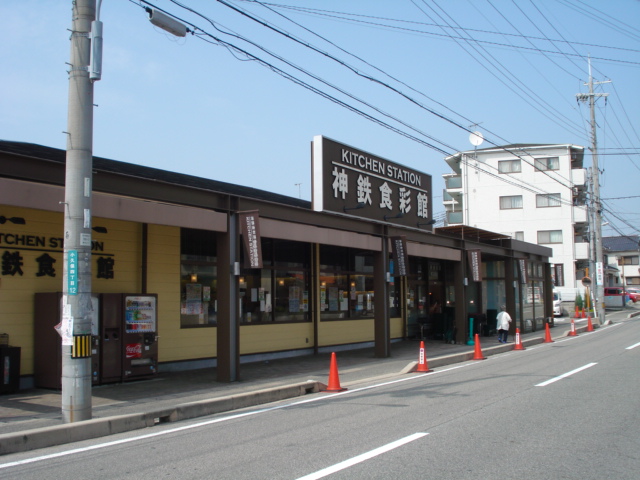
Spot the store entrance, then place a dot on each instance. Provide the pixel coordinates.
(430, 313)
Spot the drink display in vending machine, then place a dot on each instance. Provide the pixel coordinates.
(140, 336)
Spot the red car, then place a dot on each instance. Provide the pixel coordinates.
(634, 294)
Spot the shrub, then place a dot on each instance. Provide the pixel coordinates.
(578, 301)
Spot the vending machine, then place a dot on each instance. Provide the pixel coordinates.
(130, 336)
(140, 336)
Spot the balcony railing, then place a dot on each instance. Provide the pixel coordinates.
(582, 251)
(454, 218)
(580, 215)
(453, 182)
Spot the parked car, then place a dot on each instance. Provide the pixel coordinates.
(616, 297)
(634, 294)
(557, 304)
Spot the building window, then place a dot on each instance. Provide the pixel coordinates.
(519, 236)
(507, 203)
(346, 283)
(509, 166)
(550, 163)
(279, 292)
(198, 278)
(549, 236)
(630, 260)
(548, 200)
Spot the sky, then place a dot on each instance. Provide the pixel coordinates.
(240, 99)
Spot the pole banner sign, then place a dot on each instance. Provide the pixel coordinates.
(399, 252)
(250, 229)
(72, 272)
(475, 260)
(522, 270)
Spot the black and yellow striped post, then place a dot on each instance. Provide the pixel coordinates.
(81, 346)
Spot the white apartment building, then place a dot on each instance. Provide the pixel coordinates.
(533, 193)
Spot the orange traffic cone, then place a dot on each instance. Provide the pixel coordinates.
(547, 334)
(572, 332)
(477, 354)
(518, 345)
(583, 313)
(334, 380)
(577, 315)
(589, 324)
(422, 360)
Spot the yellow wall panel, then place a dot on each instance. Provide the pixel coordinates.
(345, 331)
(275, 337)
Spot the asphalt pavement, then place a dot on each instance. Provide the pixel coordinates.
(32, 419)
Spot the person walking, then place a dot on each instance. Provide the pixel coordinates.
(504, 319)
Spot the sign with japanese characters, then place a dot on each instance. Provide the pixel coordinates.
(351, 181)
(475, 261)
(522, 270)
(400, 256)
(250, 227)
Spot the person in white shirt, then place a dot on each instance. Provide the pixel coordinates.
(504, 319)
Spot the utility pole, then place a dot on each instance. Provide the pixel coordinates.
(595, 199)
(76, 288)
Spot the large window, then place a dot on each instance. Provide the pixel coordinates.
(549, 236)
(548, 200)
(509, 166)
(346, 283)
(511, 202)
(198, 278)
(550, 163)
(279, 292)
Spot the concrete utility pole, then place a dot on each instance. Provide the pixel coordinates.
(76, 288)
(595, 200)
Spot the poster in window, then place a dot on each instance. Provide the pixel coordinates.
(194, 292)
(333, 299)
(344, 301)
(294, 299)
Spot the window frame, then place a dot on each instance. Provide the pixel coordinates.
(511, 163)
(550, 233)
(503, 201)
(542, 164)
(548, 198)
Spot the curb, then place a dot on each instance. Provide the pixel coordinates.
(100, 427)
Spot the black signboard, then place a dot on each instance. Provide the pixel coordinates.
(400, 256)
(475, 260)
(522, 268)
(250, 225)
(352, 181)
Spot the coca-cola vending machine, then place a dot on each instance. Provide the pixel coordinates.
(140, 336)
(130, 327)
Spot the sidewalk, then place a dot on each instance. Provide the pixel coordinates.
(32, 419)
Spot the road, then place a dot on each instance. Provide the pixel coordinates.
(565, 410)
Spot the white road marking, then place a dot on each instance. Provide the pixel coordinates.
(215, 420)
(564, 375)
(361, 458)
(633, 346)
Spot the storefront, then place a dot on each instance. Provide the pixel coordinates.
(330, 275)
